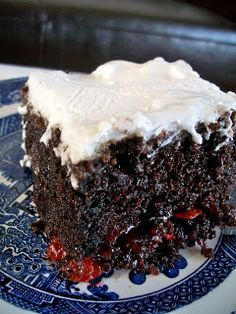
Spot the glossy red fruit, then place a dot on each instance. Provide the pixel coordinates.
(189, 214)
(169, 236)
(153, 231)
(85, 271)
(113, 235)
(134, 246)
(56, 250)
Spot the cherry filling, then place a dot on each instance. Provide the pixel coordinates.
(137, 240)
(55, 251)
(169, 236)
(77, 271)
(85, 271)
(189, 214)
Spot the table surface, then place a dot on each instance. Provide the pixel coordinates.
(222, 300)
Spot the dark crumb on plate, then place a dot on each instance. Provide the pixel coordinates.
(38, 226)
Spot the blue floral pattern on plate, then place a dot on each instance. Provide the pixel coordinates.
(29, 281)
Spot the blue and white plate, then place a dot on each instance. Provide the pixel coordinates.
(29, 281)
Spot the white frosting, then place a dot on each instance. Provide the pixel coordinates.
(26, 161)
(121, 98)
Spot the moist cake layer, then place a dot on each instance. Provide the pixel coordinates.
(136, 204)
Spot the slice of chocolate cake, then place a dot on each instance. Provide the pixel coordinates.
(130, 164)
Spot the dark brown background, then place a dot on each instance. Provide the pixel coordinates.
(81, 34)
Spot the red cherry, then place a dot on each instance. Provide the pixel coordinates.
(96, 270)
(85, 271)
(153, 231)
(169, 236)
(189, 214)
(87, 265)
(113, 235)
(73, 265)
(56, 250)
(134, 246)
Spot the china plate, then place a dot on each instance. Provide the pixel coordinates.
(29, 281)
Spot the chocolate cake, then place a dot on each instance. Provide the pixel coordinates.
(130, 164)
